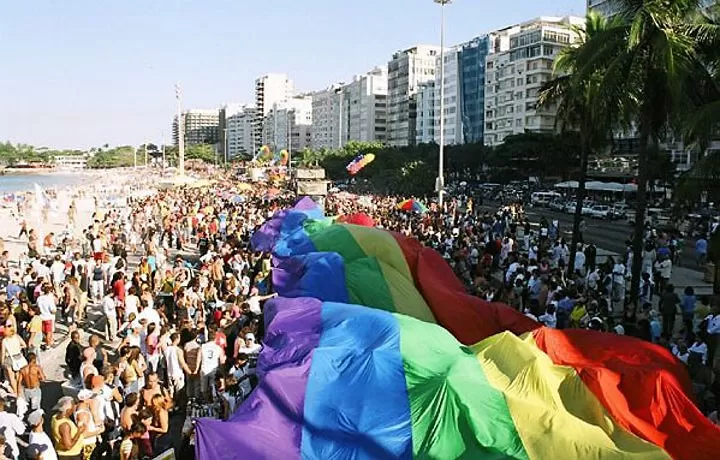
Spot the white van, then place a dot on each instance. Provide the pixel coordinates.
(543, 199)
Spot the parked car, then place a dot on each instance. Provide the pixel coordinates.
(587, 208)
(620, 210)
(601, 211)
(557, 205)
(570, 207)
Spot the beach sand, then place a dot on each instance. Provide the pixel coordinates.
(106, 187)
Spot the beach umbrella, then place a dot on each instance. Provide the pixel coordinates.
(244, 186)
(412, 205)
(238, 199)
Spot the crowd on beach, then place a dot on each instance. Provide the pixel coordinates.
(162, 299)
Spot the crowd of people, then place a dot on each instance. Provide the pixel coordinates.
(163, 301)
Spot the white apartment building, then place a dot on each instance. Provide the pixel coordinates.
(201, 126)
(288, 125)
(453, 112)
(425, 121)
(71, 161)
(270, 89)
(520, 61)
(240, 134)
(364, 103)
(327, 117)
(406, 71)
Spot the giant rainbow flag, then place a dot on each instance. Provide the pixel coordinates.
(375, 351)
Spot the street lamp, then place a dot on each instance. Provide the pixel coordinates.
(225, 147)
(440, 182)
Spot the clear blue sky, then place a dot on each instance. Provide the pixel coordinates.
(80, 73)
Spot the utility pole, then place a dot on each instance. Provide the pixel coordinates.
(181, 131)
(225, 147)
(440, 182)
(275, 129)
(340, 94)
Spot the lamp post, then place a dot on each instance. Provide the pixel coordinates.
(440, 182)
(225, 147)
(181, 131)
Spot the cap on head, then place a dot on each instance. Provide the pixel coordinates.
(63, 404)
(35, 418)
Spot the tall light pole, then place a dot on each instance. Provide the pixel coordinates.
(225, 146)
(440, 182)
(181, 131)
(341, 97)
(275, 126)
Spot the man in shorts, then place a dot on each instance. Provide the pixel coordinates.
(46, 304)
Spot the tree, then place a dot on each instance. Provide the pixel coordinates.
(117, 157)
(539, 154)
(204, 152)
(648, 59)
(580, 109)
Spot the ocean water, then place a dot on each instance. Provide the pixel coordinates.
(26, 182)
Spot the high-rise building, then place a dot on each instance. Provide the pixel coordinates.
(472, 88)
(452, 106)
(240, 135)
(288, 125)
(327, 117)
(364, 102)
(520, 61)
(425, 121)
(201, 127)
(406, 70)
(226, 111)
(270, 89)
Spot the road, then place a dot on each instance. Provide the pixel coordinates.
(608, 235)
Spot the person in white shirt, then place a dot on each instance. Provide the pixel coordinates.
(618, 282)
(47, 305)
(109, 306)
(132, 303)
(150, 314)
(38, 437)
(713, 331)
(664, 266)
(57, 271)
(699, 347)
(254, 302)
(548, 318)
(11, 425)
(176, 368)
(580, 260)
(593, 278)
(211, 357)
(251, 347)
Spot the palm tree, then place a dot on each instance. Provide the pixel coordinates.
(580, 108)
(649, 61)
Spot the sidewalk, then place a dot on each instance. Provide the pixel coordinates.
(681, 277)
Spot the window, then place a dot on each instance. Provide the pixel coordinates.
(519, 81)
